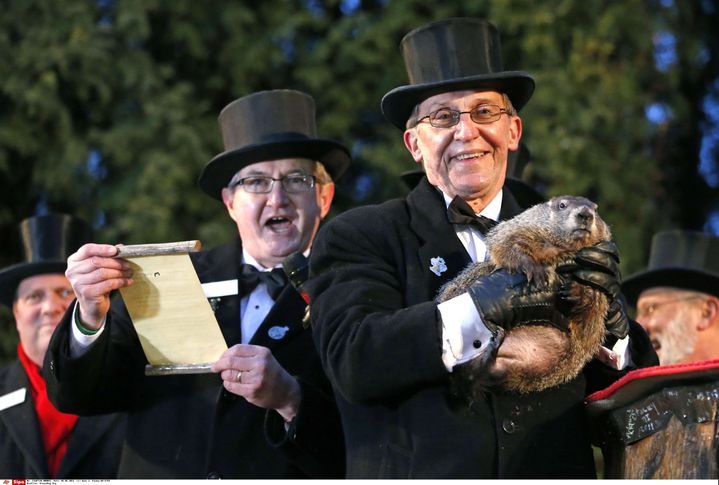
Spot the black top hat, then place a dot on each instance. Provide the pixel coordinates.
(679, 259)
(46, 241)
(269, 125)
(452, 55)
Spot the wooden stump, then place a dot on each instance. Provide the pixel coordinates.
(664, 427)
(679, 451)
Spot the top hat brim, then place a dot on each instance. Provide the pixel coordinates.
(687, 279)
(11, 276)
(397, 105)
(220, 170)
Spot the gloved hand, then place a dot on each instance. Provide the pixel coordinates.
(617, 321)
(506, 300)
(598, 266)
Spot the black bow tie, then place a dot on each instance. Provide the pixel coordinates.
(459, 212)
(250, 277)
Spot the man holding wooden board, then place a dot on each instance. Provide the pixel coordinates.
(271, 415)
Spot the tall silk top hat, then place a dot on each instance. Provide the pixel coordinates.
(452, 55)
(270, 125)
(47, 241)
(679, 259)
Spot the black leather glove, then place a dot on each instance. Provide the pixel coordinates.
(506, 300)
(617, 320)
(598, 266)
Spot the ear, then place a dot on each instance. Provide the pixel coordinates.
(15, 315)
(709, 313)
(412, 144)
(515, 133)
(325, 195)
(228, 198)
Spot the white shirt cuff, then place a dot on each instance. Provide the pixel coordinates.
(618, 357)
(464, 335)
(79, 342)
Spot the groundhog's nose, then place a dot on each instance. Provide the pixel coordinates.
(585, 215)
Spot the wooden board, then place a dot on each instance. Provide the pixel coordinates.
(170, 312)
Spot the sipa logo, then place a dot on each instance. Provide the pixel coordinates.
(18, 482)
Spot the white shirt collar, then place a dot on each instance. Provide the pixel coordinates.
(491, 211)
(248, 259)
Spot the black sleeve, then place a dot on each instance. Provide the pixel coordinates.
(313, 440)
(102, 379)
(373, 346)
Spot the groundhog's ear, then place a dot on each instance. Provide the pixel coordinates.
(410, 141)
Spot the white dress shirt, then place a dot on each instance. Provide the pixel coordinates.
(254, 306)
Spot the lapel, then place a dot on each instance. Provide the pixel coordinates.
(220, 264)
(21, 422)
(228, 316)
(510, 206)
(85, 436)
(283, 322)
(284, 319)
(437, 237)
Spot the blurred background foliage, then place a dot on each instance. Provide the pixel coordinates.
(108, 108)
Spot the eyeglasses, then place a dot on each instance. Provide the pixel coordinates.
(292, 184)
(482, 114)
(648, 310)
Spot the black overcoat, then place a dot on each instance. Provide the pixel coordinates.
(188, 426)
(377, 329)
(93, 450)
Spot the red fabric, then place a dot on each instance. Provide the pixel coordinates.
(55, 426)
(655, 371)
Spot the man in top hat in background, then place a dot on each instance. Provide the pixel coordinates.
(275, 180)
(37, 440)
(677, 296)
(389, 348)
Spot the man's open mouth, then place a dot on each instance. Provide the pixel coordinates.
(278, 222)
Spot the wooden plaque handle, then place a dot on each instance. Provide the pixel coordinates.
(179, 247)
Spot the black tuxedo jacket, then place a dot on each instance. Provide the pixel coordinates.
(93, 450)
(378, 332)
(188, 426)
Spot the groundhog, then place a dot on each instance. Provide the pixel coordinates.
(532, 358)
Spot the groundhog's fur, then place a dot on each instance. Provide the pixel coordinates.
(533, 357)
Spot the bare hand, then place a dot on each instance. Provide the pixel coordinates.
(93, 274)
(262, 380)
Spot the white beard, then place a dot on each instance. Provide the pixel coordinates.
(677, 340)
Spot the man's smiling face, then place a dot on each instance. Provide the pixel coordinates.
(467, 159)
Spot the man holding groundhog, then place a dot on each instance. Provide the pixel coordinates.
(389, 348)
